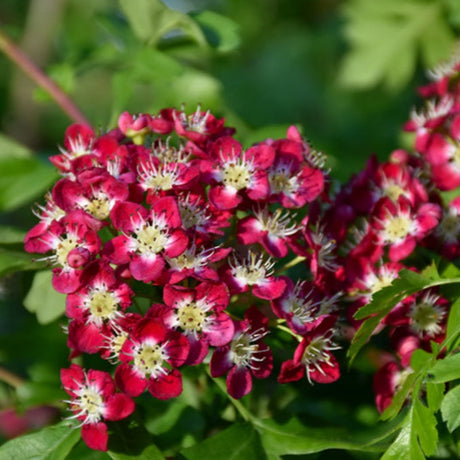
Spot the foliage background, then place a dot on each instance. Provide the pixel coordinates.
(346, 71)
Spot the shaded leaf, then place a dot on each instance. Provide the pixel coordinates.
(43, 300)
(51, 443)
(132, 442)
(11, 235)
(151, 20)
(13, 261)
(221, 32)
(238, 442)
(293, 438)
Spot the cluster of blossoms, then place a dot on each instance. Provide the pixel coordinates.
(171, 209)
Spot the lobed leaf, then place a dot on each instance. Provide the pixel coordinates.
(385, 38)
(450, 408)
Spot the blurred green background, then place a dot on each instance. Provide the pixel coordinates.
(345, 71)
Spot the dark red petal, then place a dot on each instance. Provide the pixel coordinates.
(118, 406)
(224, 198)
(127, 216)
(239, 382)
(66, 281)
(177, 243)
(177, 348)
(95, 435)
(331, 371)
(168, 208)
(220, 331)
(291, 372)
(71, 378)
(271, 288)
(215, 294)
(129, 381)
(147, 268)
(166, 386)
(220, 362)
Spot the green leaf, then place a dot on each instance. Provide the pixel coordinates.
(418, 432)
(23, 176)
(13, 261)
(425, 427)
(220, 31)
(453, 325)
(385, 299)
(51, 443)
(446, 369)
(293, 438)
(434, 395)
(11, 235)
(43, 300)
(400, 397)
(132, 442)
(450, 408)
(385, 38)
(150, 20)
(238, 442)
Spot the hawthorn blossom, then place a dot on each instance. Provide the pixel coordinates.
(313, 356)
(199, 314)
(149, 358)
(245, 356)
(148, 236)
(93, 400)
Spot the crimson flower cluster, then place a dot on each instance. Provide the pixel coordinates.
(174, 243)
(167, 236)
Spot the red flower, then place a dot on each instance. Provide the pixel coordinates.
(93, 400)
(147, 237)
(149, 359)
(245, 356)
(313, 356)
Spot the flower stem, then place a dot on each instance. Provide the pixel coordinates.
(10, 378)
(291, 263)
(16, 55)
(238, 406)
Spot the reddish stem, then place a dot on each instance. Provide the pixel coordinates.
(41, 79)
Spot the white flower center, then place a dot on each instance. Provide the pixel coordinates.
(149, 359)
(237, 174)
(397, 228)
(90, 404)
(65, 245)
(152, 238)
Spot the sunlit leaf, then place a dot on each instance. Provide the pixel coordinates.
(43, 300)
(417, 437)
(385, 39)
(450, 408)
(23, 176)
(51, 443)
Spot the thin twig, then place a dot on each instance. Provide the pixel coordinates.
(40, 78)
(10, 378)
